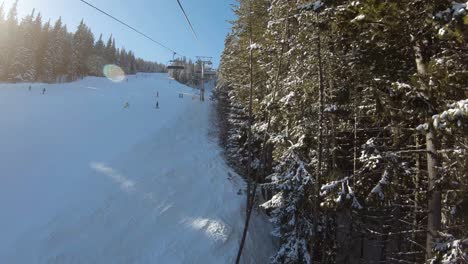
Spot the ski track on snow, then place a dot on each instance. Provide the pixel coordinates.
(87, 181)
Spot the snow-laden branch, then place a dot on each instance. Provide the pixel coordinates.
(456, 116)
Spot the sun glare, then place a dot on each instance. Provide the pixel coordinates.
(113, 73)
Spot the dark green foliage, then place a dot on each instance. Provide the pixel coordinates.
(388, 67)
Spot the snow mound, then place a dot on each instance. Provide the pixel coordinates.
(215, 230)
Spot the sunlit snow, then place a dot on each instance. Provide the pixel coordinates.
(87, 180)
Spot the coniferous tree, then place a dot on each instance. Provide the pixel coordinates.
(352, 179)
(10, 39)
(33, 51)
(23, 66)
(3, 43)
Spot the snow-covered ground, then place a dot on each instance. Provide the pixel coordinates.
(85, 180)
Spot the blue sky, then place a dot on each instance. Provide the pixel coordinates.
(160, 19)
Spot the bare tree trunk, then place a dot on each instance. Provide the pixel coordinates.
(434, 194)
(416, 180)
(250, 191)
(316, 252)
(355, 127)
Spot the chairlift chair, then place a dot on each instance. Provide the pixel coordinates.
(210, 73)
(172, 65)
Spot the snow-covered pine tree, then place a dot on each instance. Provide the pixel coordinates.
(82, 47)
(3, 43)
(111, 52)
(33, 51)
(96, 60)
(54, 53)
(42, 43)
(11, 38)
(23, 66)
(387, 68)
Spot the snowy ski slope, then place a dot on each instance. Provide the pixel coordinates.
(85, 180)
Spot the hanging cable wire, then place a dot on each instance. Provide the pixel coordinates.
(132, 28)
(188, 20)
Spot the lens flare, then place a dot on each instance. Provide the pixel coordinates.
(113, 73)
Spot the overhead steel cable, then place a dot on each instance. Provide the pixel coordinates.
(132, 28)
(188, 20)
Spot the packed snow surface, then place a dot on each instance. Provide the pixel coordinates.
(85, 179)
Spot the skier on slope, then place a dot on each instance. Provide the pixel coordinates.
(157, 104)
(43, 90)
(29, 88)
(126, 105)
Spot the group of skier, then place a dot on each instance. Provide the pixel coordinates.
(43, 89)
(127, 104)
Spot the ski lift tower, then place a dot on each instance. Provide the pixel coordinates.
(203, 60)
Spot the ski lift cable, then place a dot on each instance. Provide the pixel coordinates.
(132, 28)
(188, 20)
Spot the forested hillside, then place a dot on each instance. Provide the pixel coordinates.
(351, 117)
(31, 50)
